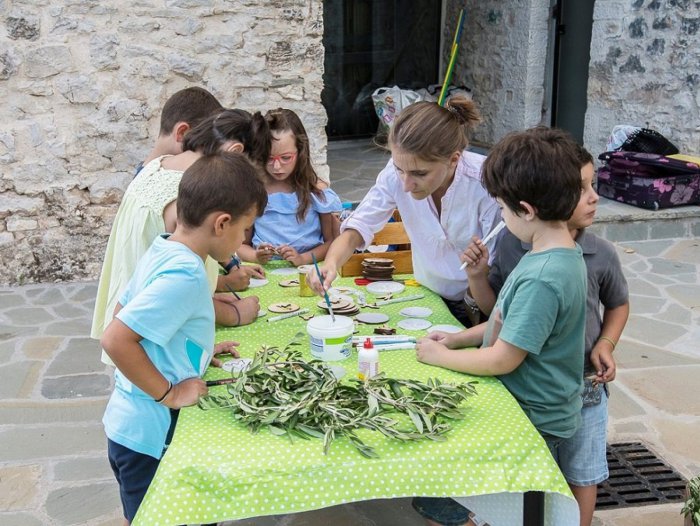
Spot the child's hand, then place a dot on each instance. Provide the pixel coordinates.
(290, 254)
(248, 308)
(186, 393)
(603, 361)
(264, 252)
(442, 337)
(477, 257)
(224, 348)
(237, 279)
(254, 271)
(430, 351)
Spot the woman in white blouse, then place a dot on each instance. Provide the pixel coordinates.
(436, 186)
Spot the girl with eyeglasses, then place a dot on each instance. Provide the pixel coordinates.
(298, 220)
(148, 209)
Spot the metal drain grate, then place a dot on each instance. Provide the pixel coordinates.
(638, 478)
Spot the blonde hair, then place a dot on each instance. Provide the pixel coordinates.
(433, 132)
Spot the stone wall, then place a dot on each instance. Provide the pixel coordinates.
(644, 70)
(502, 58)
(82, 84)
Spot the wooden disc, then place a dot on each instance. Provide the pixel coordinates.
(283, 307)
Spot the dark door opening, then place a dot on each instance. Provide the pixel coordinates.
(572, 56)
(371, 44)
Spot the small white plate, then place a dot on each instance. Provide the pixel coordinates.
(447, 328)
(377, 248)
(236, 365)
(284, 271)
(414, 324)
(255, 282)
(372, 317)
(385, 287)
(261, 313)
(416, 312)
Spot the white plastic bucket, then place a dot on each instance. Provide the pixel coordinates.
(330, 341)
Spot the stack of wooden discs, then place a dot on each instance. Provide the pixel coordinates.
(344, 306)
(377, 269)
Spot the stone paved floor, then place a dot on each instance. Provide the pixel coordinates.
(53, 387)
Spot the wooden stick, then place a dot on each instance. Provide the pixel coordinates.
(220, 381)
(453, 59)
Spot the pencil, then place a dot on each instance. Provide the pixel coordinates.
(220, 381)
(233, 292)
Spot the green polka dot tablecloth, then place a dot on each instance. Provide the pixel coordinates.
(216, 470)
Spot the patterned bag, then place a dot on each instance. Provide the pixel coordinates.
(649, 180)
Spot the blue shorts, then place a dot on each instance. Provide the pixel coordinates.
(135, 471)
(582, 458)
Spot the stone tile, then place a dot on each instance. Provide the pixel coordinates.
(8, 330)
(687, 251)
(83, 469)
(674, 390)
(41, 347)
(645, 304)
(676, 314)
(621, 406)
(631, 355)
(14, 377)
(70, 311)
(83, 291)
(389, 511)
(668, 267)
(9, 299)
(69, 327)
(76, 505)
(7, 349)
(639, 266)
(687, 295)
(668, 229)
(649, 248)
(29, 443)
(29, 316)
(688, 344)
(663, 515)
(50, 296)
(680, 441)
(78, 386)
(627, 231)
(19, 486)
(20, 519)
(28, 412)
(654, 332)
(80, 355)
(631, 428)
(642, 287)
(32, 291)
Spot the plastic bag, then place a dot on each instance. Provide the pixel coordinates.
(388, 103)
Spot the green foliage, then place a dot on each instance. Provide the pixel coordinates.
(691, 508)
(299, 399)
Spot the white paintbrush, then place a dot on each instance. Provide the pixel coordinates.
(488, 238)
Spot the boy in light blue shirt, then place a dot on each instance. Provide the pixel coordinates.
(162, 337)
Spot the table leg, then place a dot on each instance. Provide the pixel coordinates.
(533, 508)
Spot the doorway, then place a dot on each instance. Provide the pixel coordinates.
(573, 21)
(370, 44)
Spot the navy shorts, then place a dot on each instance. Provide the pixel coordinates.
(134, 471)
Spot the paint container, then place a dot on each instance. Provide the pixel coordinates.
(330, 341)
(304, 290)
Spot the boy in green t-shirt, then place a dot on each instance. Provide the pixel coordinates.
(533, 341)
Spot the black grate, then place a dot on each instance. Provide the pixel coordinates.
(638, 478)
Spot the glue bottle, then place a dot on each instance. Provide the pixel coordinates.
(368, 360)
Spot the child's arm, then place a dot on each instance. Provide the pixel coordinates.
(477, 257)
(614, 321)
(467, 338)
(122, 345)
(502, 358)
(290, 253)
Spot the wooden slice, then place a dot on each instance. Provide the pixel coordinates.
(283, 307)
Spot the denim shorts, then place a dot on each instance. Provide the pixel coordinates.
(443, 510)
(582, 458)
